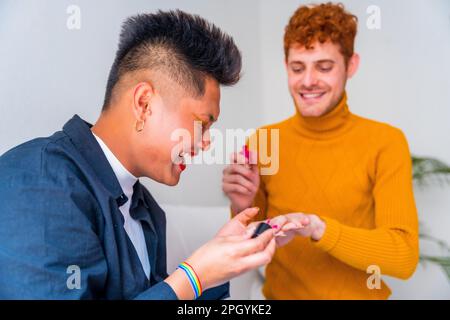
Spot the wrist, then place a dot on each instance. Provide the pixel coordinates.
(180, 285)
(185, 282)
(193, 278)
(318, 233)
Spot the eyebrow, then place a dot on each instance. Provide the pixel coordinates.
(296, 62)
(325, 61)
(318, 61)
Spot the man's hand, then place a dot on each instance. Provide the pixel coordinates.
(301, 224)
(284, 228)
(239, 225)
(241, 180)
(230, 253)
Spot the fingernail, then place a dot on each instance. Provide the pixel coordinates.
(246, 152)
(268, 221)
(256, 208)
(275, 226)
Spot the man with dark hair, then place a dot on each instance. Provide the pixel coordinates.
(175, 43)
(75, 222)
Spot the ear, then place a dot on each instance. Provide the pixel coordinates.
(353, 64)
(143, 94)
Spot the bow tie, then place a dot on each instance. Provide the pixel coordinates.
(140, 205)
(138, 198)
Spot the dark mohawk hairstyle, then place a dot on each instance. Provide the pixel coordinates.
(185, 47)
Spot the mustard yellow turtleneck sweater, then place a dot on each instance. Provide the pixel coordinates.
(356, 175)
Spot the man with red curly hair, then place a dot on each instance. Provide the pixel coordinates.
(343, 191)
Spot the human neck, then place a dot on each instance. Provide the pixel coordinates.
(111, 129)
(329, 125)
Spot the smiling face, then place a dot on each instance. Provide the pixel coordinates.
(317, 77)
(160, 150)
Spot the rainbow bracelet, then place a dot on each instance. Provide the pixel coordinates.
(193, 278)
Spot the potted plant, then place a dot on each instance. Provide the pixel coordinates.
(425, 171)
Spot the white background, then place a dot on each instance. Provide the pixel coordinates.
(48, 73)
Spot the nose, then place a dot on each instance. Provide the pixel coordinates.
(310, 78)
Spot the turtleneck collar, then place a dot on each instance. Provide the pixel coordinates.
(330, 125)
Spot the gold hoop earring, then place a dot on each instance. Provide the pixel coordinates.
(139, 126)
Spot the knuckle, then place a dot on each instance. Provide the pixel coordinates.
(260, 246)
(232, 252)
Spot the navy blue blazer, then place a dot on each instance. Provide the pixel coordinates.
(61, 230)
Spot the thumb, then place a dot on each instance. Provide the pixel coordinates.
(246, 215)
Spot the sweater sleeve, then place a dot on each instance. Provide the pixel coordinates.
(393, 244)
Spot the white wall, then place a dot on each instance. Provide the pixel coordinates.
(48, 73)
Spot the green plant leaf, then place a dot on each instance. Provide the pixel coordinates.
(426, 170)
(443, 262)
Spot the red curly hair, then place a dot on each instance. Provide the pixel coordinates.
(322, 22)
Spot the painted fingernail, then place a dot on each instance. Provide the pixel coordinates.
(275, 226)
(246, 152)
